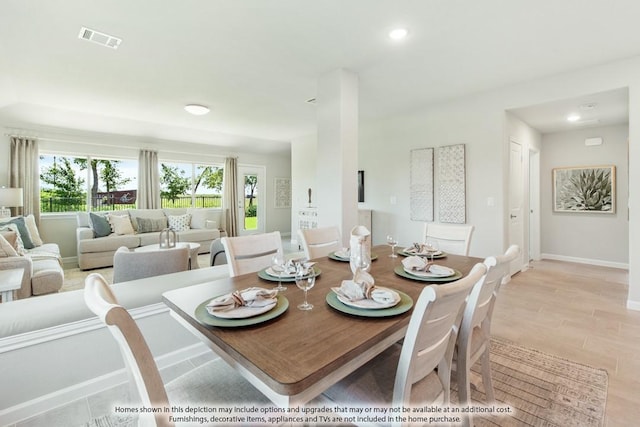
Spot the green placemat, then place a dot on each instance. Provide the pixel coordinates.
(403, 306)
(203, 316)
(291, 279)
(399, 270)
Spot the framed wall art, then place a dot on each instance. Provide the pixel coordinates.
(282, 191)
(585, 189)
(452, 206)
(421, 184)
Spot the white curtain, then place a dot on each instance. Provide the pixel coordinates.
(148, 180)
(25, 173)
(230, 195)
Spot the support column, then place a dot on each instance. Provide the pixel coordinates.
(337, 151)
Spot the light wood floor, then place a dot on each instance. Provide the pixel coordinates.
(578, 312)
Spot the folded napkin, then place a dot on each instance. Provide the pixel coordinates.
(250, 297)
(343, 253)
(416, 263)
(362, 287)
(422, 248)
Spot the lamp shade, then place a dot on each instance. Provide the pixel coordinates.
(10, 197)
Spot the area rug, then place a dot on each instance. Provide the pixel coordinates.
(542, 389)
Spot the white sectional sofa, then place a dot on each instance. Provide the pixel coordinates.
(97, 252)
(53, 350)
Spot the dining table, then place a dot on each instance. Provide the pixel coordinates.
(293, 355)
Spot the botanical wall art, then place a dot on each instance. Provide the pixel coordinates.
(584, 189)
(451, 184)
(421, 184)
(282, 190)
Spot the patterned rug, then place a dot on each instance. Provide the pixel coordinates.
(543, 390)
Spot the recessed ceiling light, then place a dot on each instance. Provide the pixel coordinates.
(197, 110)
(398, 34)
(573, 118)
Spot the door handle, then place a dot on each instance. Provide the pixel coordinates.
(513, 216)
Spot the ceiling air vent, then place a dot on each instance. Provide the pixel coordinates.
(99, 38)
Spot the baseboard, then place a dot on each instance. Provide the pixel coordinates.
(64, 396)
(633, 305)
(598, 262)
(70, 262)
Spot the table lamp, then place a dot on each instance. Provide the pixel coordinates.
(9, 197)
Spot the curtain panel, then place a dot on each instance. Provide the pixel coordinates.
(24, 172)
(230, 195)
(148, 180)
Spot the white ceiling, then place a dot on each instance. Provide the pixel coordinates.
(256, 62)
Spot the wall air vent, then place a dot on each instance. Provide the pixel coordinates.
(99, 38)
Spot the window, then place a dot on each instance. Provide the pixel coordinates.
(188, 184)
(72, 184)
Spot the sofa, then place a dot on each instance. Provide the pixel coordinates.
(23, 248)
(97, 242)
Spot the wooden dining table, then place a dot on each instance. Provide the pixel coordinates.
(297, 355)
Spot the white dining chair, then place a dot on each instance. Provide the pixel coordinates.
(248, 254)
(406, 375)
(143, 370)
(450, 238)
(319, 242)
(474, 338)
(131, 265)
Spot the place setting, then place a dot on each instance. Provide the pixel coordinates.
(344, 255)
(421, 269)
(282, 270)
(244, 307)
(361, 297)
(428, 250)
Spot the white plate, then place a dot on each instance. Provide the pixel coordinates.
(370, 304)
(242, 312)
(273, 273)
(342, 254)
(412, 251)
(449, 272)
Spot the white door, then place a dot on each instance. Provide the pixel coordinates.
(251, 200)
(516, 227)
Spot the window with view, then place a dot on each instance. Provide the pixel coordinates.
(187, 184)
(72, 184)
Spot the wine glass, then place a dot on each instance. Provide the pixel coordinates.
(391, 241)
(277, 265)
(305, 279)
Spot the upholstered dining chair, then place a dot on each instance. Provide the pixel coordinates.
(405, 374)
(451, 238)
(248, 254)
(228, 386)
(319, 242)
(130, 265)
(474, 338)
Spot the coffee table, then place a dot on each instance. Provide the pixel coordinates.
(10, 280)
(193, 251)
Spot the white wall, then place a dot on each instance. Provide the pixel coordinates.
(588, 237)
(303, 173)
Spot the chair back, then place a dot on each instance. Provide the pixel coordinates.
(248, 254)
(451, 238)
(319, 242)
(131, 265)
(138, 359)
(431, 334)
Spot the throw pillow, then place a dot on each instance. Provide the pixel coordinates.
(30, 221)
(121, 224)
(100, 225)
(179, 222)
(148, 225)
(6, 250)
(18, 246)
(23, 230)
(201, 217)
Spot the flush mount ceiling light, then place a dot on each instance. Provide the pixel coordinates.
(573, 118)
(196, 110)
(398, 34)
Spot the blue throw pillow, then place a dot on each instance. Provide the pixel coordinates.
(23, 230)
(100, 225)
